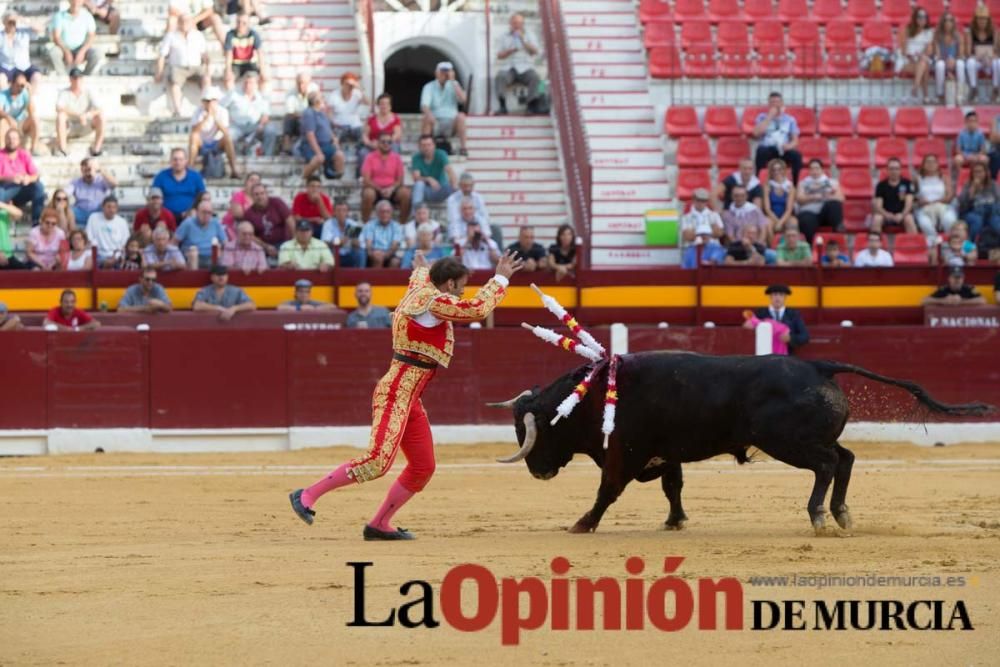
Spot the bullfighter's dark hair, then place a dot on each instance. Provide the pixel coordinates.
(447, 268)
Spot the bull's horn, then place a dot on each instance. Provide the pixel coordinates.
(511, 402)
(529, 440)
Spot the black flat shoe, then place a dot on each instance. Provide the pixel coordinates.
(376, 534)
(301, 510)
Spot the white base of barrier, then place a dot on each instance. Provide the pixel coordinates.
(83, 441)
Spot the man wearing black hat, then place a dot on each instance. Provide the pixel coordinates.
(956, 292)
(221, 297)
(797, 335)
(303, 299)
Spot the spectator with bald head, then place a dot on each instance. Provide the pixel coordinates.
(243, 253)
(161, 254)
(534, 254)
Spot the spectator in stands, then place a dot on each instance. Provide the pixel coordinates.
(345, 109)
(145, 296)
(313, 205)
(893, 205)
(90, 188)
(479, 252)
(439, 102)
(244, 53)
(239, 200)
(979, 202)
(874, 255)
(17, 109)
(272, 222)
(914, 50)
(778, 135)
(210, 132)
(382, 237)
(77, 115)
(741, 213)
(384, 120)
(9, 321)
(131, 258)
(105, 12)
(748, 250)
(934, 194)
(19, 179)
(153, 216)
(534, 254)
(244, 253)
(161, 254)
(197, 235)
(425, 244)
(67, 218)
(821, 202)
(71, 33)
(303, 299)
(971, 145)
(466, 190)
(249, 7)
(433, 177)
(221, 297)
(778, 196)
(79, 257)
(319, 146)
(994, 154)
(9, 215)
(562, 253)
(185, 54)
(457, 231)
(797, 334)
(249, 118)
(792, 250)
(958, 250)
(956, 292)
(367, 316)
(744, 177)
(67, 317)
(518, 48)
(45, 242)
(700, 218)
(15, 52)
(980, 49)
(108, 231)
(202, 12)
(382, 175)
(296, 102)
(421, 216)
(304, 252)
(832, 256)
(946, 51)
(344, 232)
(179, 184)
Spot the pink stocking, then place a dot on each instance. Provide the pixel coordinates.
(397, 497)
(334, 480)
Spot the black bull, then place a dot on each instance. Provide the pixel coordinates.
(677, 407)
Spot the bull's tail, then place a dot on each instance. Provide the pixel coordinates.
(831, 368)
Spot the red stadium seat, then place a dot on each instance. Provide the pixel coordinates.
(824, 11)
(807, 61)
(699, 62)
(659, 33)
(947, 122)
(730, 150)
(758, 10)
(910, 250)
(724, 10)
(853, 152)
(749, 119)
(986, 115)
(681, 121)
(736, 62)
(890, 147)
(792, 10)
(651, 10)
(803, 33)
(721, 122)
(693, 152)
(896, 12)
(835, 122)
(814, 148)
(842, 62)
(935, 8)
(689, 180)
(688, 10)
(773, 62)
(665, 63)
(769, 33)
(805, 117)
(930, 146)
(841, 34)
(732, 34)
(696, 33)
(877, 34)
(874, 122)
(963, 10)
(911, 122)
(856, 183)
(856, 212)
(963, 178)
(861, 11)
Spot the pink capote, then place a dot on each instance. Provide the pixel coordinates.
(779, 346)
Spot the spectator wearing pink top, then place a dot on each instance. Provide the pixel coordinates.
(243, 253)
(238, 203)
(382, 175)
(19, 180)
(45, 241)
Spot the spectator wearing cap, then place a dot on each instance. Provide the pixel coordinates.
(90, 188)
(249, 117)
(433, 177)
(108, 231)
(272, 221)
(313, 205)
(797, 334)
(344, 231)
(19, 178)
(9, 321)
(319, 146)
(955, 292)
(67, 317)
(153, 216)
(17, 108)
(439, 102)
(303, 299)
(873, 255)
(183, 56)
(244, 253)
(518, 48)
(382, 176)
(15, 52)
(221, 297)
(702, 221)
(296, 102)
(105, 12)
(161, 254)
(367, 316)
(479, 252)
(179, 184)
(210, 130)
(345, 109)
(467, 190)
(146, 296)
(534, 254)
(304, 252)
(382, 238)
(244, 52)
(425, 243)
(78, 114)
(72, 32)
(197, 235)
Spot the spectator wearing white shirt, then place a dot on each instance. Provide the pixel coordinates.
(466, 190)
(873, 255)
(210, 130)
(701, 221)
(249, 117)
(458, 230)
(422, 216)
(518, 49)
(296, 102)
(72, 32)
(15, 52)
(78, 114)
(479, 251)
(201, 11)
(184, 56)
(108, 231)
(345, 109)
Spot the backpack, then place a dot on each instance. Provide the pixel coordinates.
(213, 165)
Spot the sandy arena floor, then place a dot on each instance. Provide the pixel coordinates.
(197, 559)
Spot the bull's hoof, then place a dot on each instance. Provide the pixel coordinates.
(818, 519)
(582, 526)
(843, 517)
(675, 522)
